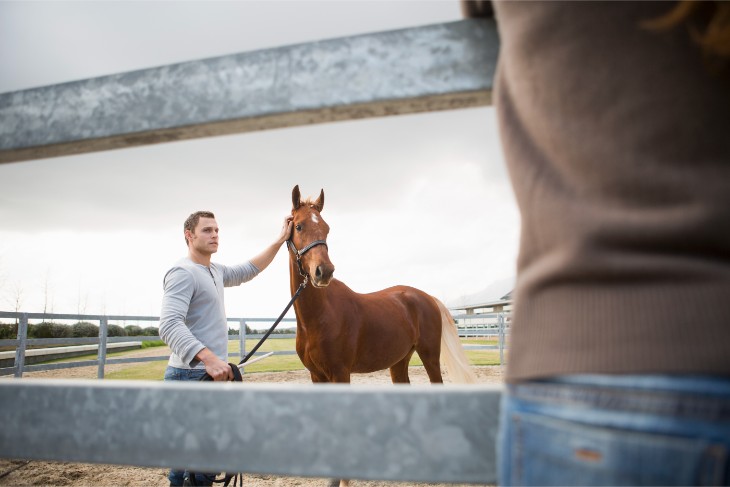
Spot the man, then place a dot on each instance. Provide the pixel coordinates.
(193, 318)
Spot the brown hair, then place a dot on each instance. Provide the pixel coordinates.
(708, 22)
(192, 221)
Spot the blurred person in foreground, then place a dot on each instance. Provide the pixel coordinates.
(193, 318)
(615, 122)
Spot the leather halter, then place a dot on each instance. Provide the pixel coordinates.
(299, 253)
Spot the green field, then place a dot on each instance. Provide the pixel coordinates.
(276, 363)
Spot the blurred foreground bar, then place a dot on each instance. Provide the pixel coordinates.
(420, 69)
(400, 433)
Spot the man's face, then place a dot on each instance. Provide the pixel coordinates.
(204, 238)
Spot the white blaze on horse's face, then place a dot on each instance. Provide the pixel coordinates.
(319, 267)
(309, 226)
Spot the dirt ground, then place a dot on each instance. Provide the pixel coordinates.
(79, 474)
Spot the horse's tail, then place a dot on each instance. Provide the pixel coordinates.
(452, 353)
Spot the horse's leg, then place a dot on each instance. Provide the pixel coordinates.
(432, 364)
(430, 356)
(429, 345)
(321, 378)
(338, 483)
(430, 352)
(340, 377)
(317, 378)
(399, 371)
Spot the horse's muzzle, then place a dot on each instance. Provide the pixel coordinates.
(322, 275)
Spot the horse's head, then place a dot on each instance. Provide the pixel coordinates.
(309, 239)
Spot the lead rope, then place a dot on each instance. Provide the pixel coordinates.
(293, 298)
(207, 377)
(238, 477)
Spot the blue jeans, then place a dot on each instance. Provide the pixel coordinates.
(616, 430)
(177, 477)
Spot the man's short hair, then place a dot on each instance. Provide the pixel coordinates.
(192, 221)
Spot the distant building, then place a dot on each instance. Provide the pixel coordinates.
(495, 297)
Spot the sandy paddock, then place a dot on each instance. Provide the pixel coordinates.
(79, 474)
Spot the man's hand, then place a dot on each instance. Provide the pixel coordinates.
(285, 230)
(263, 260)
(215, 367)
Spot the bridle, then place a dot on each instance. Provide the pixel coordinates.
(299, 253)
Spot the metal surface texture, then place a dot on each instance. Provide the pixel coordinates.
(402, 433)
(435, 67)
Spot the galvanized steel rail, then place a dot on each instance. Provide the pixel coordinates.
(399, 433)
(420, 69)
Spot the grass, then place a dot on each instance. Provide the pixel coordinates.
(282, 363)
(276, 363)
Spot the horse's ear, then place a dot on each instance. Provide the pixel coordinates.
(295, 197)
(319, 204)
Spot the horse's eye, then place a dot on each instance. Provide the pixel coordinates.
(299, 228)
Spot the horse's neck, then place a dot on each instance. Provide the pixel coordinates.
(311, 296)
(311, 301)
(295, 279)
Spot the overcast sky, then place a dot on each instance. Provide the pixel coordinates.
(422, 200)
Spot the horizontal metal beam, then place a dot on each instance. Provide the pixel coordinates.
(400, 433)
(435, 67)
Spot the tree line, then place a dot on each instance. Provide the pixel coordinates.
(83, 329)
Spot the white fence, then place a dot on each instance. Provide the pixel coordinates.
(399, 433)
(485, 325)
(22, 342)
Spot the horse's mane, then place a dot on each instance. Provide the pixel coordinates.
(307, 202)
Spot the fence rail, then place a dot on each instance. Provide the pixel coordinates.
(489, 325)
(397, 433)
(22, 342)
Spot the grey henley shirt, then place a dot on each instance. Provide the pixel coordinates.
(193, 313)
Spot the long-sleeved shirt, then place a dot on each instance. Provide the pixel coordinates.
(617, 143)
(193, 313)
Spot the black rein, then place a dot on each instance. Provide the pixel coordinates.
(298, 254)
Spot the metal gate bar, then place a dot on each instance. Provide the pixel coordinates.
(400, 433)
(435, 67)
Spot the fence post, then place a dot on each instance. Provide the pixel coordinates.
(22, 343)
(101, 355)
(242, 340)
(500, 321)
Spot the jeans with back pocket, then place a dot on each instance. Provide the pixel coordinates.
(616, 430)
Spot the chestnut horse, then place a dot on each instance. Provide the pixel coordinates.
(341, 332)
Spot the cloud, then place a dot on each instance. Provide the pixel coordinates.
(419, 199)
